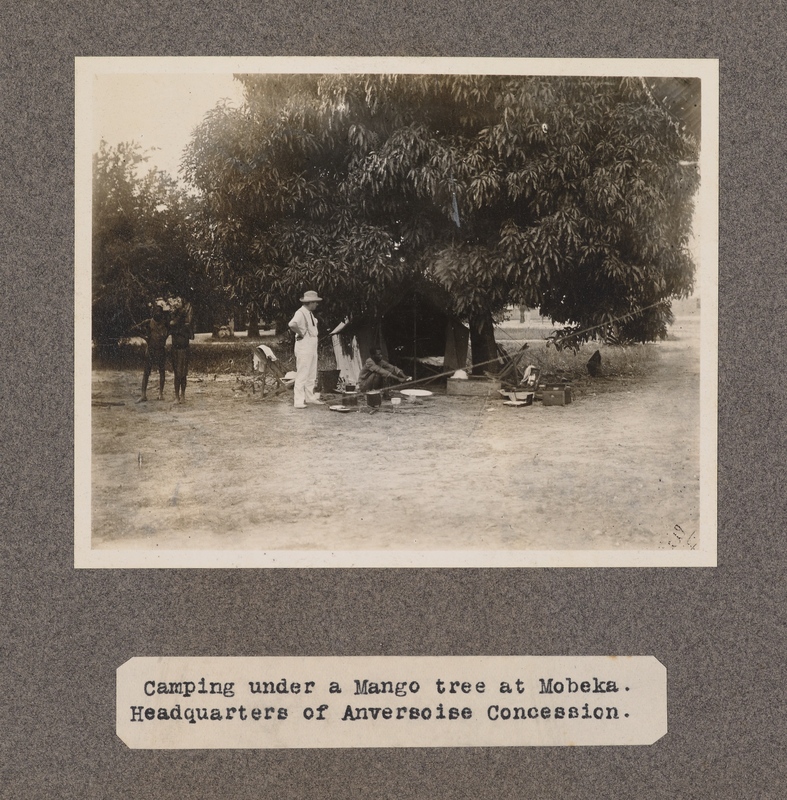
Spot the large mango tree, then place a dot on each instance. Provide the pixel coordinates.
(570, 194)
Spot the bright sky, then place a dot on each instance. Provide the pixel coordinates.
(157, 110)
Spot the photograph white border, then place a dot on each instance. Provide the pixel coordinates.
(704, 556)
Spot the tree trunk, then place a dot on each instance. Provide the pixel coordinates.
(482, 344)
(253, 329)
(238, 320)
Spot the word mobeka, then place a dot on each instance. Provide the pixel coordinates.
(594, 686)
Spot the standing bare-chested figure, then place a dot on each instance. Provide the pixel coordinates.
(157, 330)
(182, 330)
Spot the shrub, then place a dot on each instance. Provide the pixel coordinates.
(233, 356)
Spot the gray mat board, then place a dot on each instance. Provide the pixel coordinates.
(720, 632)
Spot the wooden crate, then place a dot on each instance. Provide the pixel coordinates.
(556, 396)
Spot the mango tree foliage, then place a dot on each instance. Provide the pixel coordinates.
(571, 194)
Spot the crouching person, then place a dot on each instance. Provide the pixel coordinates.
(378, 374)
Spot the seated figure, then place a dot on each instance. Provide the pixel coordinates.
(377, 374)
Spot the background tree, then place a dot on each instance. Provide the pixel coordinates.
(142, 240)
(571, 194)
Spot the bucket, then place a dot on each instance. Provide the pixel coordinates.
(327, 380)
(374, 399)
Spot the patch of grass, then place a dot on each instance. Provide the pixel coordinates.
(617, 362)
(523, 333)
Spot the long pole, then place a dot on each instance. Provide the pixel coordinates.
(408, 384)
(439, 375)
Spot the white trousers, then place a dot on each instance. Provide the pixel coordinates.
(306, 369)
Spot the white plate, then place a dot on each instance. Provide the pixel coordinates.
(514, 403)
(416, 392)
(342, 408)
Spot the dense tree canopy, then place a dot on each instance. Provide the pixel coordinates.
(142, 240)
(571, 194)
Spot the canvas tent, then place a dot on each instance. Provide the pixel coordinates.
(416, 330)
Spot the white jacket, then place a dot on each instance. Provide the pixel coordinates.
(303, 323)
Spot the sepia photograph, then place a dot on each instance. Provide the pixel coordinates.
(339, 312)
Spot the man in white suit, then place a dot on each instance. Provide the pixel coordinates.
(304, 326)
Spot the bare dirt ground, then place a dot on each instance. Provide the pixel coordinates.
(618, 468)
